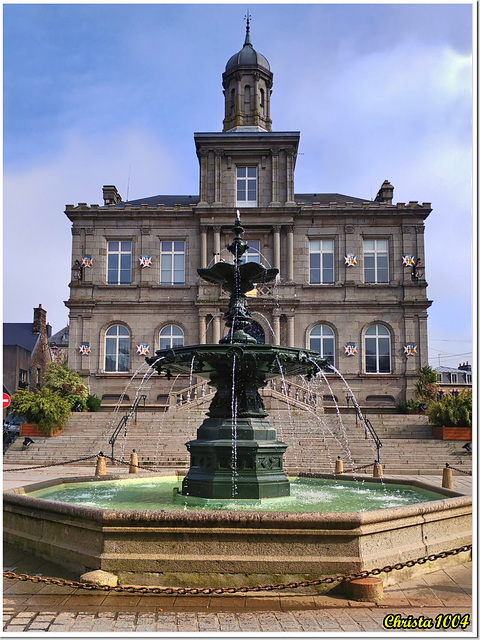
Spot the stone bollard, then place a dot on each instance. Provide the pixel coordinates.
(365, 589)
(339, 465)
(377, 470)
(447, 478)
(133, 468)
(101, 468)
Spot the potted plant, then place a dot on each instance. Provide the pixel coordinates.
(45, 411)
(451, 417)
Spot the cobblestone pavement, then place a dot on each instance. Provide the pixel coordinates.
(39, 608)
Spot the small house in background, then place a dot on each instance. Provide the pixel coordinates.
(25, 352)
(453, 381)
(58, 344)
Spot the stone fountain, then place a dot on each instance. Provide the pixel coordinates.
(236, 453)
(236, 457)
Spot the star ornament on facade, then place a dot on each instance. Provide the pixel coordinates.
(410, 349)
(350, 349)
(84, 349)
(145, 261)
(408, 261)
(142, 349)
(350, 260)
(87, 261)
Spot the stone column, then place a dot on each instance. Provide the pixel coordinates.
(203, 246)
(275, 197)
(291, 330)
(216, 243)
(290, 195)
(202, 329)
(276, 246)
(276, 328)
(290, 254)
(203, 178)
(218, 178)
(216, 329)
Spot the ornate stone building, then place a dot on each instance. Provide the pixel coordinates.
(351, 282)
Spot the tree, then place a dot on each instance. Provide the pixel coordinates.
(66, 384)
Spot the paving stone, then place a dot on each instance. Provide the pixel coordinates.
(228, 622)
(287, 621)
(207, 622)
(248, 622)
(268, 622)
(187, 621)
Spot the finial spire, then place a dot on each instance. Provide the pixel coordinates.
(247, 35)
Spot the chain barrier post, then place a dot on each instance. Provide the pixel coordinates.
(339, 465)
(377, 470)
(101, 468)
(447, 478)
(133, 468)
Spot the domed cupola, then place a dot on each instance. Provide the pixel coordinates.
(247, 84)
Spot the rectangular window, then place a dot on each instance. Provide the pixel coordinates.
(469, 378)
(119, 262)
(246, 186)
(22, 379)
(321, 262)
(375, 261)
(253, 252)
(453, 378)
(172, 262)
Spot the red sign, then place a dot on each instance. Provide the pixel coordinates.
(6, 400)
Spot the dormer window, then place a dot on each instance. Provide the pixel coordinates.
(247, 186)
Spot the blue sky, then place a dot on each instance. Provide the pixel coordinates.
(112, 94)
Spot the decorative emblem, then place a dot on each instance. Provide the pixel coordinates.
(84, 349)
(350, 260)
(351, 348)
(142, 349)
(87, 261)
(408, 261)
(410, 349)
(145, 261)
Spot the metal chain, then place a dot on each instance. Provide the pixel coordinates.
(89, 586)
(129, 464)
(51, 464)
(467, 473)
(365, 466)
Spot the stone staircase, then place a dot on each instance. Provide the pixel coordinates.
(315, 441)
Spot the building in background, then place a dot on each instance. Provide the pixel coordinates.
(454, 381)
(25, 352)
(58, 344)
(351, 279)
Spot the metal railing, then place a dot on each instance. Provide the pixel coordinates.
(124, 421)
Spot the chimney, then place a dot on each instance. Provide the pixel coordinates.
(465, 366)
(110, 194)
(385, 193)
(39, 320)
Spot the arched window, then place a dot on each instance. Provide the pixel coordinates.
(247, 98)
(262, 98)
(117, 349)
(322, 340)
(377, 349)
(171, 336)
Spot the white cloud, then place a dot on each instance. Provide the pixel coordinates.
(37, 239)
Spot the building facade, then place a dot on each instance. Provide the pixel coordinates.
(351, 281)
(25, 352)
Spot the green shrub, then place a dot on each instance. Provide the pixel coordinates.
(67, 384)
(93, 402)
(426, 389)
(45, 408)
(452, 411)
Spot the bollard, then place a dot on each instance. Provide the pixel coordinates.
(339, 465)
(133, 468)
(101, 468)
(377, 470)
(365, 589)
(447, 478)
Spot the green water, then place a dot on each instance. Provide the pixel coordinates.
(307, 495)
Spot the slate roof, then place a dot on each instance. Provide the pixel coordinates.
(20, 334)
(185, 201)
(60, 338)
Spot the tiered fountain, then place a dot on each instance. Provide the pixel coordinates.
(236, 453)
(190, 539)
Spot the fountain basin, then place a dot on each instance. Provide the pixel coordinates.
(235, 548)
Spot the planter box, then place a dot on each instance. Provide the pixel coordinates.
(27, 429)
(452, 433)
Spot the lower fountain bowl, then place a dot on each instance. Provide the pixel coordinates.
(206, 548)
